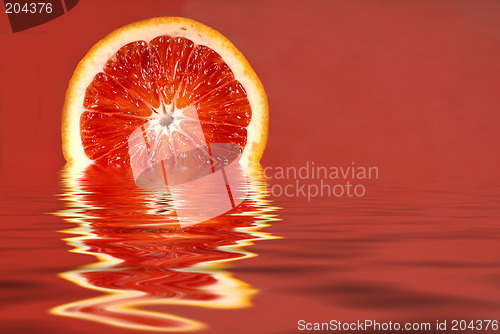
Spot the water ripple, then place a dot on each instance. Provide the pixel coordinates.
(146, 258)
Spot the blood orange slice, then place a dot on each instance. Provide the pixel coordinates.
(155, 73)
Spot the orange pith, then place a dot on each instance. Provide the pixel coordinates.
(144, 80)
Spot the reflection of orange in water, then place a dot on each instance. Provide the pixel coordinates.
(145, 258)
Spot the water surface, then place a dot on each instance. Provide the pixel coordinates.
(110, 258)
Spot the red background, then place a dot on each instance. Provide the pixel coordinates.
(408, 86)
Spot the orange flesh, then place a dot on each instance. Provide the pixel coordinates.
(144, 80)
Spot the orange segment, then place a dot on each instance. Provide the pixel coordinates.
(169, 58)
(159, 80)
(131, 67)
